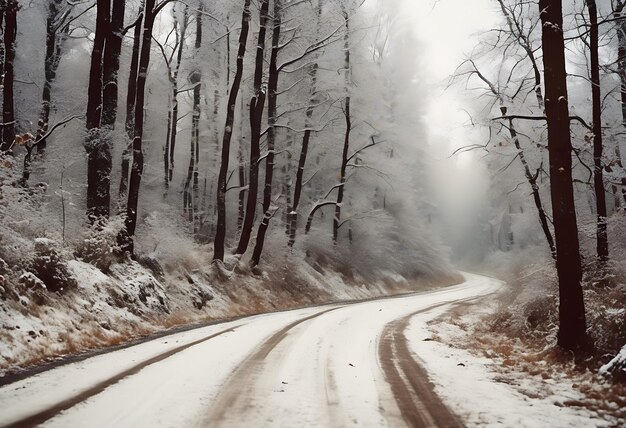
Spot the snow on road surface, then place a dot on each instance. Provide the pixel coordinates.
(330, 366)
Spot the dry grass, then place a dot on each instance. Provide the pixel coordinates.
(79, 320)
(521, 351)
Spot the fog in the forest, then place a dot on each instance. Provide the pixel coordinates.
(165, 164)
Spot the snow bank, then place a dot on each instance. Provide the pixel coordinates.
(616, 367)
(130, 301)
(487, 388)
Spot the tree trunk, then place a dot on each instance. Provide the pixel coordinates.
(170, 150)
(126, 235)
(572, 323)
(256, 117)
(602, 244)
(196, 118)
(532, 180)
(241, 170)
(316, 207)
(174, 118)
(8, 108)
(621, 64)
(103, 161)
(292, 216)
(516, 29)
(242, 183)
(168, 132)
(131, 93)
(54, 36)
(111, 66)
(2, 54)
(190, 193)
(220, 232)
(98, 151)
(346, 141)
(272, 89)
(187, 194)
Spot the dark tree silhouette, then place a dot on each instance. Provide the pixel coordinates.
(131, 93)
(572, 323)
(126, 236)
(98, 151)
(272, 95)
(292, 216)
(220, 232)
(170, 138)
(57, 30)
(190, 192)
(257, 105)
(602, 246)
(11, 8)
(348, 117)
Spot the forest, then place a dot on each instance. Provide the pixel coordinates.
(188, 143)
(266, 135)
(165, 163)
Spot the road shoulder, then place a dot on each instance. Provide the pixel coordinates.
(485, 389)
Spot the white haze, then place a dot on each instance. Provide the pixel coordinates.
(447, 32)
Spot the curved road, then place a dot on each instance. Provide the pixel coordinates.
(328, 366)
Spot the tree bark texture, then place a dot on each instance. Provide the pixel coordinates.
(602, 240)
(572, 323)
(220, 232)
(272, 91)
(98, 151)
(127, 234)
(346, 141)
(131, 93)
(256, 117)
(8, 107)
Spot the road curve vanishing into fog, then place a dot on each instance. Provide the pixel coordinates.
(327, 366)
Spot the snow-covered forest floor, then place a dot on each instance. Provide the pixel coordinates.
(132, 301)
(491, 370)
(65, 296)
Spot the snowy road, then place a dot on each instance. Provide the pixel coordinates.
(330, 366)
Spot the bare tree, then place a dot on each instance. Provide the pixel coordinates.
(131, 93)
(102, 106)
(220, 232)
(126, 235)
(347, 115)
(272, 90)
(257, 105)
(292, 216)
(518, 34)
(58, 23)
(191, 183)
(98, 151)
(602, 246)
(173, 62)
(111, 66)
(11, 8)
(572, 323)
(620, 28)
(522, 34)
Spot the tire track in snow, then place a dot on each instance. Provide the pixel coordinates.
(248, 370)
(49, 413)
(419, 405)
